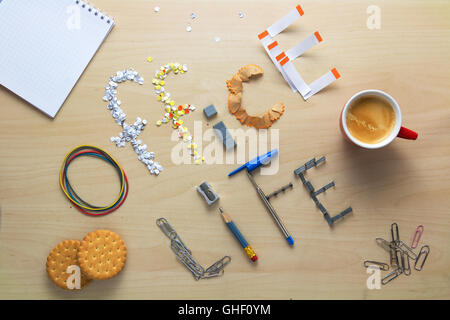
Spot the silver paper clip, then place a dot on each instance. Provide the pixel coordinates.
(406, 267)
(409, 251)
(381, 265)
(386, 245)
(391, 276)
(423, 254)
(184, 255)
(395, 233)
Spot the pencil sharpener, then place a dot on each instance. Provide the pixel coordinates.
(207, 192)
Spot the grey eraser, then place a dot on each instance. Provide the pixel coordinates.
(223, 133)
(210, 111)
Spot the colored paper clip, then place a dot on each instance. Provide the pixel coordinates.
(417, 236)
(423, 254)
(381, 265)
(391, 276)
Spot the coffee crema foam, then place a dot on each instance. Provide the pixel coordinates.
(370, 119)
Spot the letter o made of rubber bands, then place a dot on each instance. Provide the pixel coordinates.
(79, 203)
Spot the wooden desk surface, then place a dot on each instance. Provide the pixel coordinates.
(407, 182)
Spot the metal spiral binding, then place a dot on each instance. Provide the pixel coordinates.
(96, 12)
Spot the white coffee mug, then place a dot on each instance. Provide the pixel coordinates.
(398, 131)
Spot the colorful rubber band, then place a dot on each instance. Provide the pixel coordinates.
(77, 201)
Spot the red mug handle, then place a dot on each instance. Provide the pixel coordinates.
(406, 133)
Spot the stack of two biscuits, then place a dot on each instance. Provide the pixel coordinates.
(101, 255)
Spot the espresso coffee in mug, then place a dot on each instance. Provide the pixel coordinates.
(372, 119)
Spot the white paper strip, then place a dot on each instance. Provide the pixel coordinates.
(304, 46)
(285, 22)
(295, 77)
(283, 60)
(322, 82)
(273, 50)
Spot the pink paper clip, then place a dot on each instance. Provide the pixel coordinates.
(417, 236)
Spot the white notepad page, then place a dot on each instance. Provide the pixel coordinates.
(43, 49)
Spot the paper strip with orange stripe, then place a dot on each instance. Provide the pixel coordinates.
(273, 49)
(286, 21)
(305, 45)
(322, 82)
(294, 76)
(283, 60)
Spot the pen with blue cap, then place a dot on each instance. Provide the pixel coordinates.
(256, 163)
(251, 166)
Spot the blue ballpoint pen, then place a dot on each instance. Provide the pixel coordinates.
(252, 165)
(257, 162)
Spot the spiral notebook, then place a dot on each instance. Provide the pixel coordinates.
(45, 45)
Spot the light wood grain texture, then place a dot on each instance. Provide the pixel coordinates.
(407, 182)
